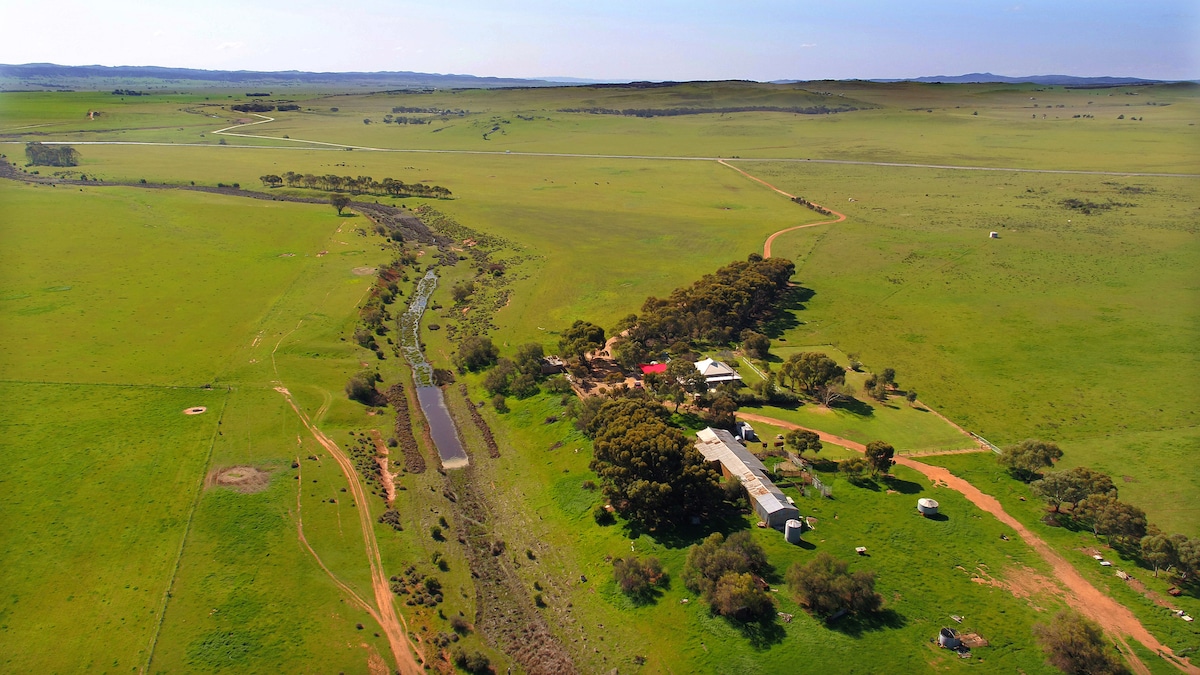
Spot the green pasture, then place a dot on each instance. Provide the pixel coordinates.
(99, 483)
(618, 230)
(925, 570)
(122, 285)
(1071, 331)
(974, 125)
(197, 287)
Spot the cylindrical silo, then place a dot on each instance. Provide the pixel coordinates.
(792, 530)
(927, 507)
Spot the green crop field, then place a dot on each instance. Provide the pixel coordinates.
(121, 305)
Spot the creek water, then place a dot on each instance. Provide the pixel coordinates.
(433, 404)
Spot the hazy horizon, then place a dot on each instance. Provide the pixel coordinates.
(623, 40)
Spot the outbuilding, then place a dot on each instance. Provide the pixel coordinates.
(768, 501)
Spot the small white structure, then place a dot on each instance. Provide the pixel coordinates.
(948, 638)
(768, 501)
(994, 235)
(927, 507)
(715, 372)
(792, 530)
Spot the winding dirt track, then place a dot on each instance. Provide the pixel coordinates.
(1115, 618)
(771, 239)
(392, 624)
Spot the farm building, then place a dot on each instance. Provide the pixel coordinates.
(653, 368)
(772, 507)
(715, 372)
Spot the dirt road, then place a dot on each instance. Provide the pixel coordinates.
(1081, 595)
(392, 624)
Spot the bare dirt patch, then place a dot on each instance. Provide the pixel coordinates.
(245, 479)
(363, 271)
(195, 410)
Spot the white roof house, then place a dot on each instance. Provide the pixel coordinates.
(772, 507)
(715, 372)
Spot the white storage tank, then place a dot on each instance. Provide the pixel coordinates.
(792, 530)
(927, 507)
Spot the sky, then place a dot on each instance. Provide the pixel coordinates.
(619, 39)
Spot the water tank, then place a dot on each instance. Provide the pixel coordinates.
(792, 530)
(927, 506)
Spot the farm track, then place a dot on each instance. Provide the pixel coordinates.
(1081, 595)
(771, 239)
(392, 624)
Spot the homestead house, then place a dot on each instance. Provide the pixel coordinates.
(715, 372)
(768, 501)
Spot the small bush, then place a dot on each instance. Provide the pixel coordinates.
(472, 662)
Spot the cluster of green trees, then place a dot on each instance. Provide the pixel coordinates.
(639, 577)
(652, 472)
(827, 587)
(359, 185)
(521, 376)
(725, 572)
(819, 209)
(1085, 498)
(717, 308)
(51, 155)
(815, 375)
(254, 107)
(877, 460)
(1074, 644)
(128, 92)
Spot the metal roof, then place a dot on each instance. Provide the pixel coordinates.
(718, 445)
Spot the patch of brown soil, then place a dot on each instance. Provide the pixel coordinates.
(195, 410)
(245, 479)
(363, 271)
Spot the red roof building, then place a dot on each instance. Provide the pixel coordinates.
(654, 368)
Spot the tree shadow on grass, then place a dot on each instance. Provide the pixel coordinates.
(855, 406)
(865, 482)
(784, 318)
(761, 634)
(904, 487)
(855, 625)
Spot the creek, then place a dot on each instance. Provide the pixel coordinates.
(433, 403)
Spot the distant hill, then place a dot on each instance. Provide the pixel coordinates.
(1062, 80)
(52, 76)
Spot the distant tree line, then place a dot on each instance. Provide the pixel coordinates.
(430, 111)
(128, 92)
(672, 112)
(257, 107)
(388, 119)
(51, 155)
(258, 94)
(360, 185)
(819, 209)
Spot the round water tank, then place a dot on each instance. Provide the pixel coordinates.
(792, 530)
(927, 506)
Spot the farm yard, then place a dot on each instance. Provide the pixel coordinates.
(125, 304)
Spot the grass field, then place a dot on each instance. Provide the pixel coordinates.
(118, 303)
